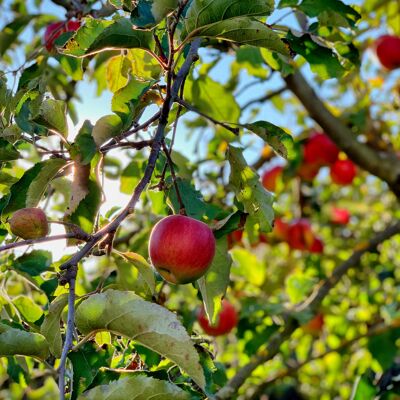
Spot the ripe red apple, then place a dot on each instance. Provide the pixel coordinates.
(343, 172)
(314, 327)
(181, 248)
(281, 229)
(56, 29)
(227, 320)
(270, 177)
(307, 172)
(235, 237)
(340, 216)
(300, 235)
(387, 49)
(29, 223)
(317, 246)
(319, 149)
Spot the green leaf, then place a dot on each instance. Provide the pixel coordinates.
(149, 324)
(84, 147)
(99, 35)
(193, 201)
(7, 151)
(132, 174)
(364, 388)
(29, 310)
(10, 32)
(276, 137)
(118, 70)
(136, 387)
(214, 283)
(298, 286)
(27, 192)
(383, 347)
(249, 266)
(50, 327)
(203, 13)
(33, 263)
(249, 191)
(322, 60)
(212, 98)
(149, 13)
(144, 268)
(330, 12)
(106, 128)
(245, 31)
(53, 115)
(15, 341)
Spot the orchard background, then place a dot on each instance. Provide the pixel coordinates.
(274, 124)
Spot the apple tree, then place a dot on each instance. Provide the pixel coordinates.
(229, 223)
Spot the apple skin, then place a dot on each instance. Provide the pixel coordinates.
(319, 149)
(387, 49)
(29, 223)
(181, 248)
(314, 326)
(281, 229)
(340, 216)
(56, 29)
(317, 246)
(235, 237)
(343, 172)
(300, 235)
(307, 172)
(227, 320)
(270, 177)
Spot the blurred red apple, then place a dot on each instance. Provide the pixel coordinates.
(227, 320)
(317, 246)
(281, 229)
(314, 327)
(307, 172)
(319, 149)
(235, 237)
(387, 49)
(56, 29)
(181, 248)
(29, 223)
(300, 235)
(340, 216)
(343, 172)
(270, 177)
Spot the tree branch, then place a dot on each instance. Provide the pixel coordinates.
(264, 98)
(231, 388)
(381, 164)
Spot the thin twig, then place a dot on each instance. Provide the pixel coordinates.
(264, 98)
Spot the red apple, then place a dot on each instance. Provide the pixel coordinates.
(343, 172)
(340, 216)
(317, 246)
(307, 172)
(281, 229)
(181, 248)
(56, 29)
(270, 177)
(227, 320)
(29, 223)
(314, 327)
(387, 49)
(300, 235)
(235, 237)
(319, 149)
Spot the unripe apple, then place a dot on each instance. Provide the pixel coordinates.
(314, 327)
(319, 149)
(227, 320)
(343, 172)
(181, 248)
(387, 49)
(270, 177)
(29, 223)
(300, 235)
(340, 216)
(56, 29)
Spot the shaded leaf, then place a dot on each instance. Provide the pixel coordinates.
(7, 151)
(84, 147)
(50, 327)
(33, 263)
(106, 128)
(149, 324)
(53, 115)
(149, 13)
(249, 191)
(214, 283)
(137, 387)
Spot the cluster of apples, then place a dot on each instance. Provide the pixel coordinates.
(387, 49)
(318, 151)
